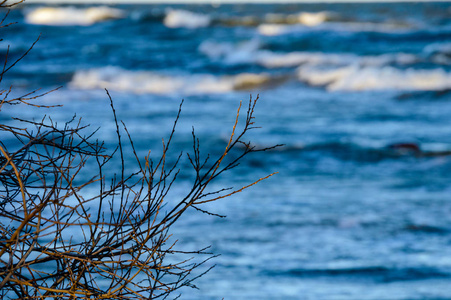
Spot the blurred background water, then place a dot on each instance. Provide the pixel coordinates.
(360, 94)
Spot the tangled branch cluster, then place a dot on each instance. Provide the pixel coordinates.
(59, 241)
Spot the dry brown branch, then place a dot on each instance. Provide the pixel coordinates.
(9, 3)
(57, 241)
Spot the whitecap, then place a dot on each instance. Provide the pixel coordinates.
(357, 78)
(176, 18)
(293, 59)
(119, 79)
(268, 29)
(72, 15)
(251, 52)
(312, 19)
(140, 82)
(306, 22)
(306, 18)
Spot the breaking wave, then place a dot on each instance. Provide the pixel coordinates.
(182, 18)
(278, 29)
(251, 52)
(71, 15)
(357, 78)
(304, 18)
(293, 59)
(338, 71)
(275, 29)
(115, 78)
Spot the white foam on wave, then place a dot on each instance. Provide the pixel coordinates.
(275, 29)
(294, 59)
(305, 18)
(268, 29)
(72, 15)
(140, 82)
(176, 18)
(357, 78)
(251, 52)
(278, 24)
(312, 19)
(336, 71)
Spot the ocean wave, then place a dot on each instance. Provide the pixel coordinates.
(364, 78)
(434, 48)
(72, 15)
(251, 52)
(148, 15)
(336, 71)
(177, 18)
(293, 59)
(231, 53)
(115, 78)
(309, 19)
(305, 18)
(272, 29)
(439, 53)
(276, 29)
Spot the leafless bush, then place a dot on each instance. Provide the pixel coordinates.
(60, 241)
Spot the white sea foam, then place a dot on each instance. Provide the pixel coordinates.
(176, 18)
(268, 29)
(336, 71)
(251, 52)
(305, 18)
(307, 22)
(312, 19)
(356, 78)
(72, 15)
(293, 59)
(115, 78)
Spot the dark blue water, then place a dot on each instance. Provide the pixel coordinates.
(360, 94)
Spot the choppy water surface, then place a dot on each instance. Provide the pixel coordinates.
(360, 94)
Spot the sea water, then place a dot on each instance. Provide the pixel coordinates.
(359, 94)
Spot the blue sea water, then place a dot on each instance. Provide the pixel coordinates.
(360, 94)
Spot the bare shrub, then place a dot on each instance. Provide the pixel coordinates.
(59, 241)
